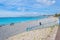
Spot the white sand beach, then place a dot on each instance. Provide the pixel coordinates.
(11, 32)
(39, 34)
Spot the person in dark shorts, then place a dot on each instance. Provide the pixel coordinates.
(40, 23)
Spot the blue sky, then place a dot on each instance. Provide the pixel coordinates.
(13, 8)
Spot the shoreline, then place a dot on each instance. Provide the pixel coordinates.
(25, 21)
(34, 19)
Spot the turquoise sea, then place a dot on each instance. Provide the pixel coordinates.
(7, 20)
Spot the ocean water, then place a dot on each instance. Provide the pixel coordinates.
(8, 20)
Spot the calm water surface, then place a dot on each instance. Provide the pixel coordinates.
(7, 20)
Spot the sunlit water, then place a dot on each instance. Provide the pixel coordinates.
(7, 20)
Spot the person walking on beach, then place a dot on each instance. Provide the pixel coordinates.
(40, 23)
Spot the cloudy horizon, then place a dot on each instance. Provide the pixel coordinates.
(15, 8)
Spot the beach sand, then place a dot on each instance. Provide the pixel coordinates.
(11, 30)
(39, 34)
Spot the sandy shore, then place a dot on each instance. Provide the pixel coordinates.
(12, 30)
(39, 34)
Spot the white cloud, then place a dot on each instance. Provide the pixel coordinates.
(21, 5)
(46, 2)
(17, 14)
(18, 3)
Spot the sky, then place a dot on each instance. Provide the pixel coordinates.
(14, 8)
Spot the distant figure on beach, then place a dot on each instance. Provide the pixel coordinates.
(0, 25)
(12, 24)
(40, 23)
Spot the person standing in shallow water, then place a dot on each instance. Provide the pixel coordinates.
(40, 23)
